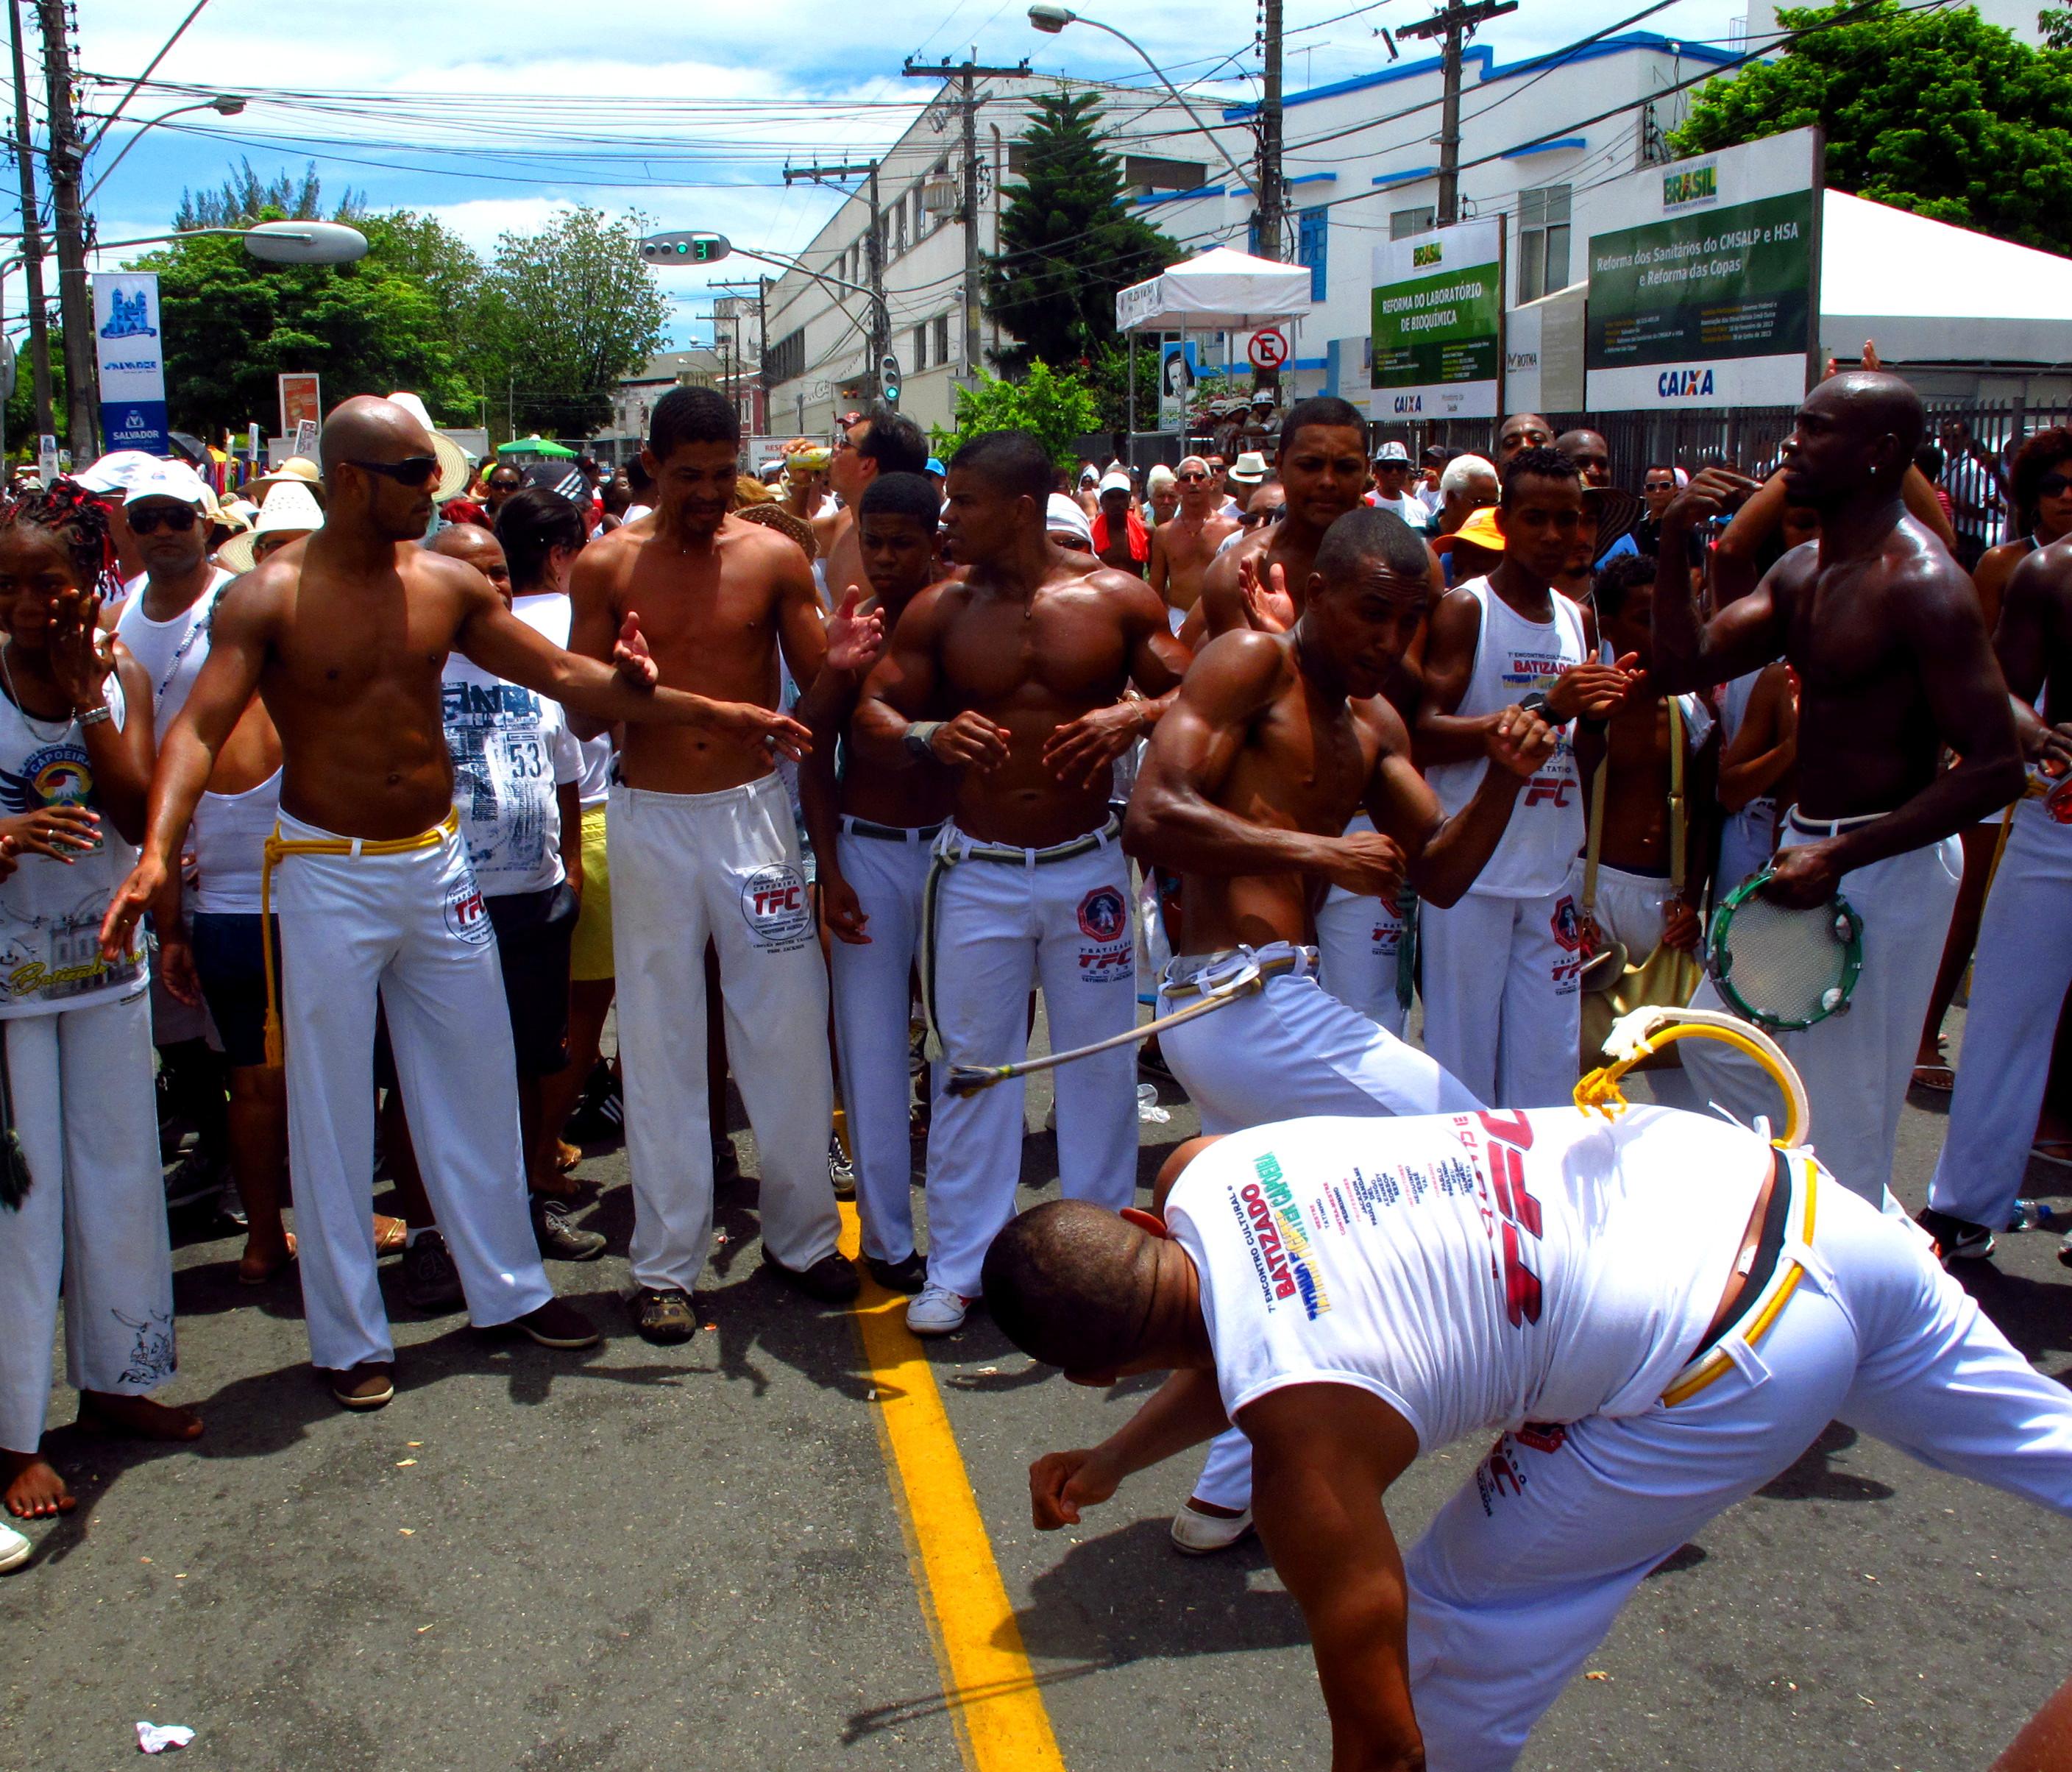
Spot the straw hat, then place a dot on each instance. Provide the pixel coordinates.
(775, 516)
(290, 506)
(455, 470)
(296, 467)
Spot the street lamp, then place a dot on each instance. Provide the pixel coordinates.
(277, 242)
(1050, 20)
(222, 105)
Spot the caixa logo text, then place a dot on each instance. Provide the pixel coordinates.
(1684, 384)
(1409, 403)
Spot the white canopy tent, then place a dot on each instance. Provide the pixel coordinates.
(1221, 291)
(1930, 292)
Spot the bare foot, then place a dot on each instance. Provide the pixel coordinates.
(390, 1234)
(263, 1260)
(136, 1417)
(35, 1489)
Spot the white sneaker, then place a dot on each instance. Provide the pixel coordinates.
(13, 1549)
(936, 1310)
(1196, 1534)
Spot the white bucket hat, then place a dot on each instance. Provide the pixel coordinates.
(289, 505)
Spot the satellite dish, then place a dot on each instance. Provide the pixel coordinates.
(306, 243)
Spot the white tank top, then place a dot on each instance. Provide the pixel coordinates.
(51, 913)
(171, 652)
(229, 839)
(1514, 657)
(1475, 1271)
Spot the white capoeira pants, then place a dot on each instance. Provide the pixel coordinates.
(1748, 839)
(1001, 926)
(1290, 1051)
(410, 929)
(872, 995)
(2023, 968)
(1631, 909)
(1524, 1569)
(1855, 1064)
(1359, 940)
(724, 866)
(1503, 987)
(92, 1229)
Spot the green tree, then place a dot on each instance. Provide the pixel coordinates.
(233, 323)
(564, 314)
(1067, 242)
(1937, 112)
(1059, 409)
(245, 197)
(2055, 23)
(1108, 375)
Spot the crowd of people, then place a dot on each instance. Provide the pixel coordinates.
(818, 777)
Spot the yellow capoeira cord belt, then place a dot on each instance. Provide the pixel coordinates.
(1648, 1029)
(277, 847)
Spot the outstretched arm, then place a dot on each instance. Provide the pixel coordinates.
(1323, 1457)
(1182, 1412)
(1746, 635)
(229, 676)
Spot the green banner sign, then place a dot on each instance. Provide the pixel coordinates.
(1437, 329)
(1710, 284)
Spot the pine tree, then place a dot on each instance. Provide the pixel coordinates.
(1067, 244)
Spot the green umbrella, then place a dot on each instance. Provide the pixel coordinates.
(534, 445)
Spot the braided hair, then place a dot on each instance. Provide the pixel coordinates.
(75, 518)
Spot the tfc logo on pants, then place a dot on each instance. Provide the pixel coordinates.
(774, 904)
(467, 915)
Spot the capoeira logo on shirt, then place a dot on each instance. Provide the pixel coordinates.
(1107, 953)
(467, 915)
(777, 908)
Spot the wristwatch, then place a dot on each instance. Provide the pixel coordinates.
(1536, 702)
(919, 738)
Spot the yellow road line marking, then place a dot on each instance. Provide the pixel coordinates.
(991, 1692)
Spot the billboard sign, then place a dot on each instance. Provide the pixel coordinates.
(129, 350)
(1438, 323)
(1705, 292)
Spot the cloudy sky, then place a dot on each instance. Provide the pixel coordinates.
(492, 117)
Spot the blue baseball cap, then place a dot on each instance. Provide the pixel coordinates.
(935, 468)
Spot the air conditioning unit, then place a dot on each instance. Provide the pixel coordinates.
(939, 194)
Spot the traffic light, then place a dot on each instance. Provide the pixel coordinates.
(685, 247)
(888, 378)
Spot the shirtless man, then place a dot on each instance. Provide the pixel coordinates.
(1522, 431)
(2023, 964)
(702, 847)
(344, 636)
(1590, 453)
(1016, 676)
(878, 442)
(1274, 743)
(1182, 547)
(873, 832)
(1883, 629)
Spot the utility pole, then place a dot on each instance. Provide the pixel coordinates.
(761, 286)
(967, 74)
(32, 230)
(880, 328)
(1272, 190)
(1455, 22)
(68, 158)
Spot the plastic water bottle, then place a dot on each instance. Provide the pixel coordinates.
(2032, 1216)
(1149, 1112)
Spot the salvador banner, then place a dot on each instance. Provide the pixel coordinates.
(129, 344)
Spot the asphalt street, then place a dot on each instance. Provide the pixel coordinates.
(641, 1557)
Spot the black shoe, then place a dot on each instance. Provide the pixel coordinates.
(558, 1238)
(600, 1116)
(1151, 1062)
(832, 1279)
(195, 1176)
(841, 1172)
(1955, 1239)
(431, 1282)
(663, 1314)
(725, 1161)
(557, 1323)
(909, 1276)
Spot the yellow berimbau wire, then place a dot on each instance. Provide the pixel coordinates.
(1647, 1031)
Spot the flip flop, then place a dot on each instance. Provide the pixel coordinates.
(390, 1234)
(2053, 1150)
(1939, 1079)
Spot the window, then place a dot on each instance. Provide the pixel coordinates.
(918, 214)
(1313, 236)
(899, 229)
(1406, 222)
(1543, 242)
(787, 357)
(942, 339)
(920, 348)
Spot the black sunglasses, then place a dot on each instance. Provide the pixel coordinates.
(412, 470)
(179, 518)
(1190, 479)
(2053, 485)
